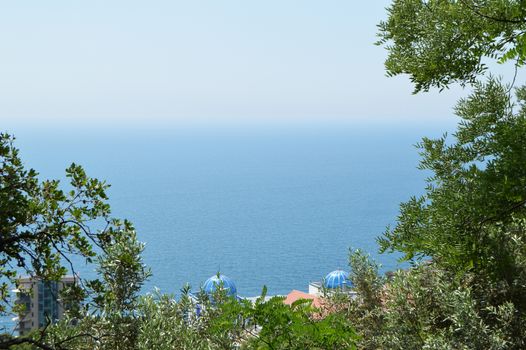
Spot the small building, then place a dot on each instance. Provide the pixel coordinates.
(337, 280)
(41, 300)
(210, 287)
(220, 281)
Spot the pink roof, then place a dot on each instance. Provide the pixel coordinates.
(297, 295)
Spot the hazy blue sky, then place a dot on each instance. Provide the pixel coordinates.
(154, 61)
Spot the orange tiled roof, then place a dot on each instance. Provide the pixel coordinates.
(296, 295)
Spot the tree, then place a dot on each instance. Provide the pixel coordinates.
(424, 307)
(117, 294)
(42, 227)
(439, 42)
(477, 191)
(111, 319)
(471, 219)
(293, 327)
(225, 322)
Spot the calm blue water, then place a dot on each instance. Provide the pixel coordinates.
(277, 207)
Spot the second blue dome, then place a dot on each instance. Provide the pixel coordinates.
(337, 279)
(211, 285)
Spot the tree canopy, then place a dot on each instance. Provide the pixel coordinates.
(477, 189)
(42, 225)
(439, 42)
(471, 221)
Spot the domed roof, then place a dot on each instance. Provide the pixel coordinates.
(211, 284)
(337, 279)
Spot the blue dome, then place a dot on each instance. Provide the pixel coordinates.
(215, 281)
(337, 279)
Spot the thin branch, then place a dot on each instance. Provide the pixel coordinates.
(496, 19)
(514, 77)
(514, 207)
(80, 335)
(8, 343)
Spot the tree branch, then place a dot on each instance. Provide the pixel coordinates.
(496, 19)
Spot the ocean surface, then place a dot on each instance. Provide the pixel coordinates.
(266, 206)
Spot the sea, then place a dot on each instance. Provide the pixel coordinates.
(274, 206)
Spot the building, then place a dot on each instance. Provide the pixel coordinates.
(222, 282)
(298, 295)
(337, 280)
(41, 300)
(215, 283)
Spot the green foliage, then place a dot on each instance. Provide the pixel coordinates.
(111, 321)
(167, 324)
(470, 222)
(41, 225)
(439, 42)
(231, 323)
(478, 186)
(121, 270)
(293, 327)
(365, 310)
(123, 275)
(468, 218)
(471, 219)
(427, 307)
(161, 322)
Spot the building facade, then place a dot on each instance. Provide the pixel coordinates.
(41, 301)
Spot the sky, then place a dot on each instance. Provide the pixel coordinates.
(103, 62)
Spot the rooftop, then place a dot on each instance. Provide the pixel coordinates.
(297, 295)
